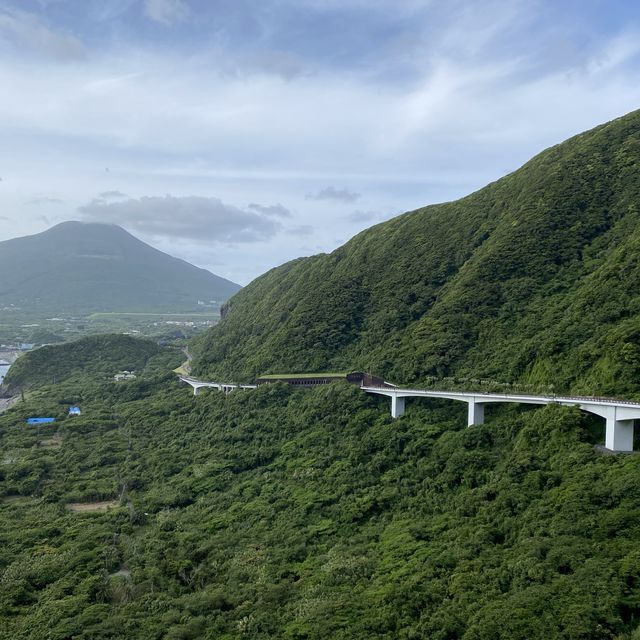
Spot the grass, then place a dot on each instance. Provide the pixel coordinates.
(85, 507)
(280, 376)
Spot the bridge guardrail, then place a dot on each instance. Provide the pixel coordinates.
(598, 399)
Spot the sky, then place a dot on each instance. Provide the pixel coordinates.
(241, 134)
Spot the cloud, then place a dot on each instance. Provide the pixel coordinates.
(276, 210)
(279, 63)
(44, 4)
(26, 29)
(331, 193)
(112, 195)
(301, 230)
(193, 218)
(264, 102)
(44, 200)
(166, 12)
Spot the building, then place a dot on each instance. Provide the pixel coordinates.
(124, 375)
(316, 379)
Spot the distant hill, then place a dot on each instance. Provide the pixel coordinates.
(535, 278)
(91, 357)
(81, 268)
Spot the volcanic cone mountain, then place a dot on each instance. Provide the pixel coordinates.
(84, 267)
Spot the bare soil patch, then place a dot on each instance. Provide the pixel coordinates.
(86, 507)
(52, 443)
(123, 572)
(5, 403)
(17, 499)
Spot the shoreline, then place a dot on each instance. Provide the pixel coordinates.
(6, 403)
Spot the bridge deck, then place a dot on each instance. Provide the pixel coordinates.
(620, 415)
(503, 397)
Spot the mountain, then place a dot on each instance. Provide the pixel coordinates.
(312, 514)
(534, 278)
(81, 268)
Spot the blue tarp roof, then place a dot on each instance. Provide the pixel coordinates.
(74, 411)
(40, 420)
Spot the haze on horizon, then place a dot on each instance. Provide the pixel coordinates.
(238, 135)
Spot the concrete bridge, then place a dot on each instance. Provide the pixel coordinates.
(226, 387)
(618, 414)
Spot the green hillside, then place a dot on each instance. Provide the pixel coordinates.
(83, 268)
(535, 278)
(310, 515)
(92, 357)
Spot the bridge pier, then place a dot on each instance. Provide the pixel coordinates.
(196, 390)
(475, 414)
(397, 406)
(619, 434)
(620, 415)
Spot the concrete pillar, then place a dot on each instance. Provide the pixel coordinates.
(397, 406)
(196, 391)
(476, 413)
(619, 434)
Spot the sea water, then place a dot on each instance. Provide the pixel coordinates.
(4, 367)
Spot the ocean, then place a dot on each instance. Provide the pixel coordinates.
(4, 367)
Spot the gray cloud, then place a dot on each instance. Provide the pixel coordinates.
(112, 195)
(166, 12)
(301, 230)
(189, 218)
(286, 65)
(276, 210)
(44, 200)
(331, 193)
(27, 29)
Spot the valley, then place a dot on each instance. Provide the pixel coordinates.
(37, 330)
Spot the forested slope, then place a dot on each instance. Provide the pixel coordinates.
(85, 359)
(312, 514)
(535, 278)
(309, 515)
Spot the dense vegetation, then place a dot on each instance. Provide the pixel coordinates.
(82, 268)
(99, 356)
(305, 515)
(535, 278)
(310, 514)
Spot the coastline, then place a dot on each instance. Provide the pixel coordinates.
(6, 403)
